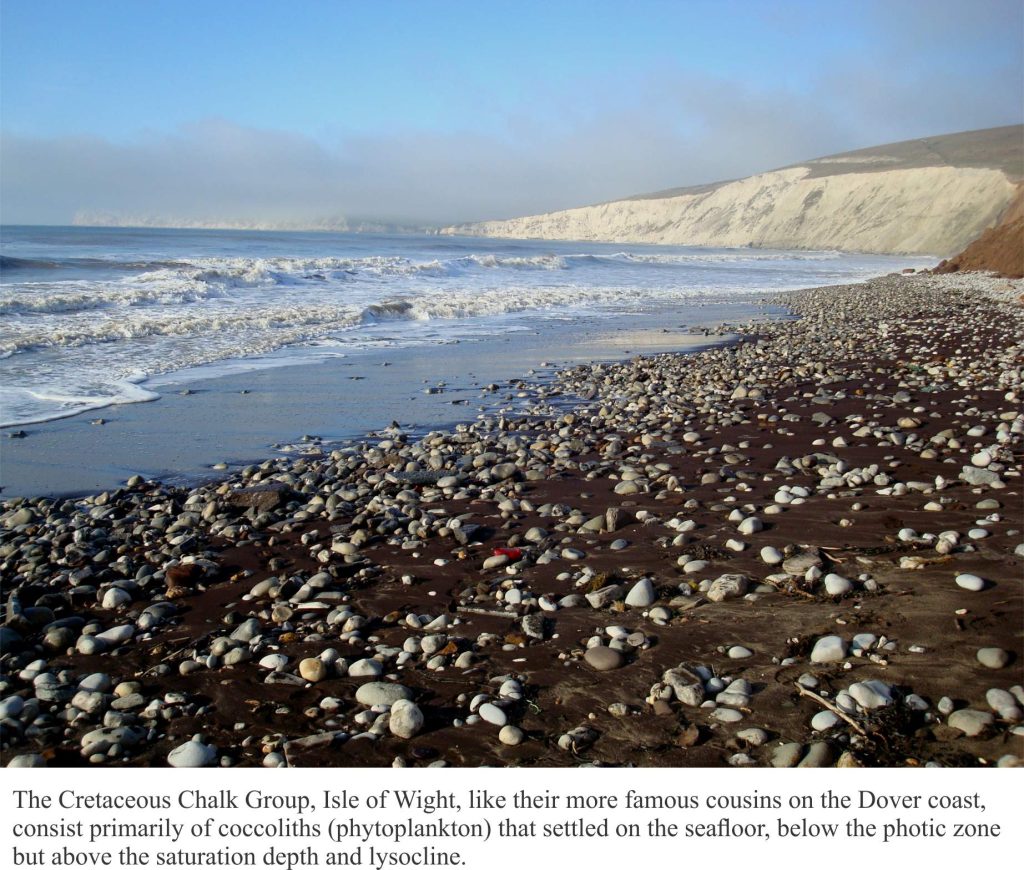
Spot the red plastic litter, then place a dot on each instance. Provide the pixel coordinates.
(511, 552)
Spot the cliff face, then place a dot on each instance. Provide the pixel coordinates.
(999, 249)
(924, 197)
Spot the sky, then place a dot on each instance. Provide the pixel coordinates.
(441, 112)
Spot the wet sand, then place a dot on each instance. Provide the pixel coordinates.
(236, 419)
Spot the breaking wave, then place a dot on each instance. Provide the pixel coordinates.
(278, 324)
(175, 283)
(84, 323)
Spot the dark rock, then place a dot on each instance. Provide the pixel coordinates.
(259, 499)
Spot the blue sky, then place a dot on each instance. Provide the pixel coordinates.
(450, 110)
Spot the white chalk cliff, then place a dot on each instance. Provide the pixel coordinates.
(882, 200)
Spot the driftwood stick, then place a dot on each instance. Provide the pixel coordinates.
(185, 646)
(482, 611)
(849, 720)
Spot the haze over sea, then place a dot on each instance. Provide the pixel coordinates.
(91, 317)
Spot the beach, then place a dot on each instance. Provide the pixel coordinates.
(801, 546)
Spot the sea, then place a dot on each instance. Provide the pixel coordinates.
(94, 317)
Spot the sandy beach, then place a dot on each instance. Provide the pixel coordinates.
(800, 548)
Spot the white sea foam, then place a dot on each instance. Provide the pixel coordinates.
(82, 331)
(23, 405)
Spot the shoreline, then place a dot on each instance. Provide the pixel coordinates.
(240, 418)
(705, 557)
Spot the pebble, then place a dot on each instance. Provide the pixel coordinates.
(734, 696)
(192, 754)
(871, 694)
(236, 656)
(818, 755)
(365, 668)
(28, 759)
(90, 645)
(578, 739)
(863, 642)
(313, 669)
(603, 658)
(728, 586)
(753, 736)
(117, 635)
(837, 585)
(247, 631)
(382, 694)
(510, 735)
(114, 598)
(971, 722)
(19, 518)
(980, 476)
(1004, 704)
(97, 682)
(787, 755)
(406, 719)
(750, 526)
(824, 720)
(798, 565)
(642, 594)
(604, 596)
(830, 648)
(993, 657)
(970, 582)
(11, 707)
(493, 714)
